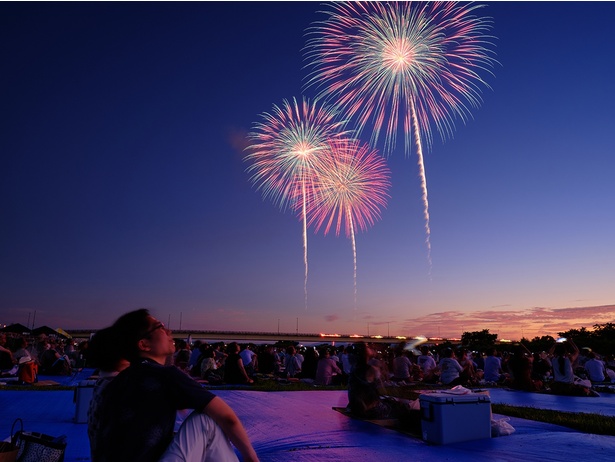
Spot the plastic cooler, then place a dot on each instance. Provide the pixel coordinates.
(82, 398)
(448, 418)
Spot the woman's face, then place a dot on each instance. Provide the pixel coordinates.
(159, 337)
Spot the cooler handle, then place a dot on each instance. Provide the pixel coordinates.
(427, 413)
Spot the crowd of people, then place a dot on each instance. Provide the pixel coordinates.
(219, 363)
(145, 377)
(26, 358)
(564, 369)
(235, 364)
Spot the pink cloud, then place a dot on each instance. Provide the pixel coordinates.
(529, 323)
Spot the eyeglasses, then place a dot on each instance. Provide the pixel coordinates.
(156, 326)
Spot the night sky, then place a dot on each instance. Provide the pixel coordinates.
(123, 184)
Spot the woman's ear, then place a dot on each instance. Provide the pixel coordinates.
(144, 345)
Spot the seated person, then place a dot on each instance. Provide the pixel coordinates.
(209, 367)
(402, 366)
(326, 369)
(21, 349)
(469, 375)
(541, 367)
(7, 361)
(493, 367)
(596, 369)
(234, 372)
(137, 409)
(428, 365)
(564, 355)
(268, 361)
(365, 395)
(52, 363)
(520, 368)
(292, 363)
(104, 353)
(450, 369)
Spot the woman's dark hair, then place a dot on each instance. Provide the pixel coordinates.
(130, 328)
(104, 351)
(561, 363)
(560, 351)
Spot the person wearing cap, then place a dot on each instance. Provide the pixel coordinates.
(582, 358)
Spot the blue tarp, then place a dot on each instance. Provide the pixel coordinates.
(302, 427)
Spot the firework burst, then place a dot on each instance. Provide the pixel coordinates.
(287, 148)
(350, 187)
(400, 66)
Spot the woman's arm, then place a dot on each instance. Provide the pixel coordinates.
(224, 416)
(575, 350)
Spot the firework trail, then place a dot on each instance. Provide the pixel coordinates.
(286, 150)
(404, 66)
(351, 186)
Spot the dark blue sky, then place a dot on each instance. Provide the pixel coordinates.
(122, 180)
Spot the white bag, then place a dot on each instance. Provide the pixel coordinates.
(582, 382)
(501, 427)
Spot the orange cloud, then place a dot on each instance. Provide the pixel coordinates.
(510, 324)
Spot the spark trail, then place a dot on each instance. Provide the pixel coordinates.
(350, 187)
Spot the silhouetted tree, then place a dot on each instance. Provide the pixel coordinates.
(479, 340)
(604, 338)
(582, 337)
(538, 344)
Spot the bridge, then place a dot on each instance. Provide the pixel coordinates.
(273, 337)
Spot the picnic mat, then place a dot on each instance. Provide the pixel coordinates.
(410, 426)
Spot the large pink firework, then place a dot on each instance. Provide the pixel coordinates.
(404, 66)
(287, 149)
(350, 187)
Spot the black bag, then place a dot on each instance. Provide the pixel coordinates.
(37, 447)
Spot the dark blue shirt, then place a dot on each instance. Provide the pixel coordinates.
(137, 411)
